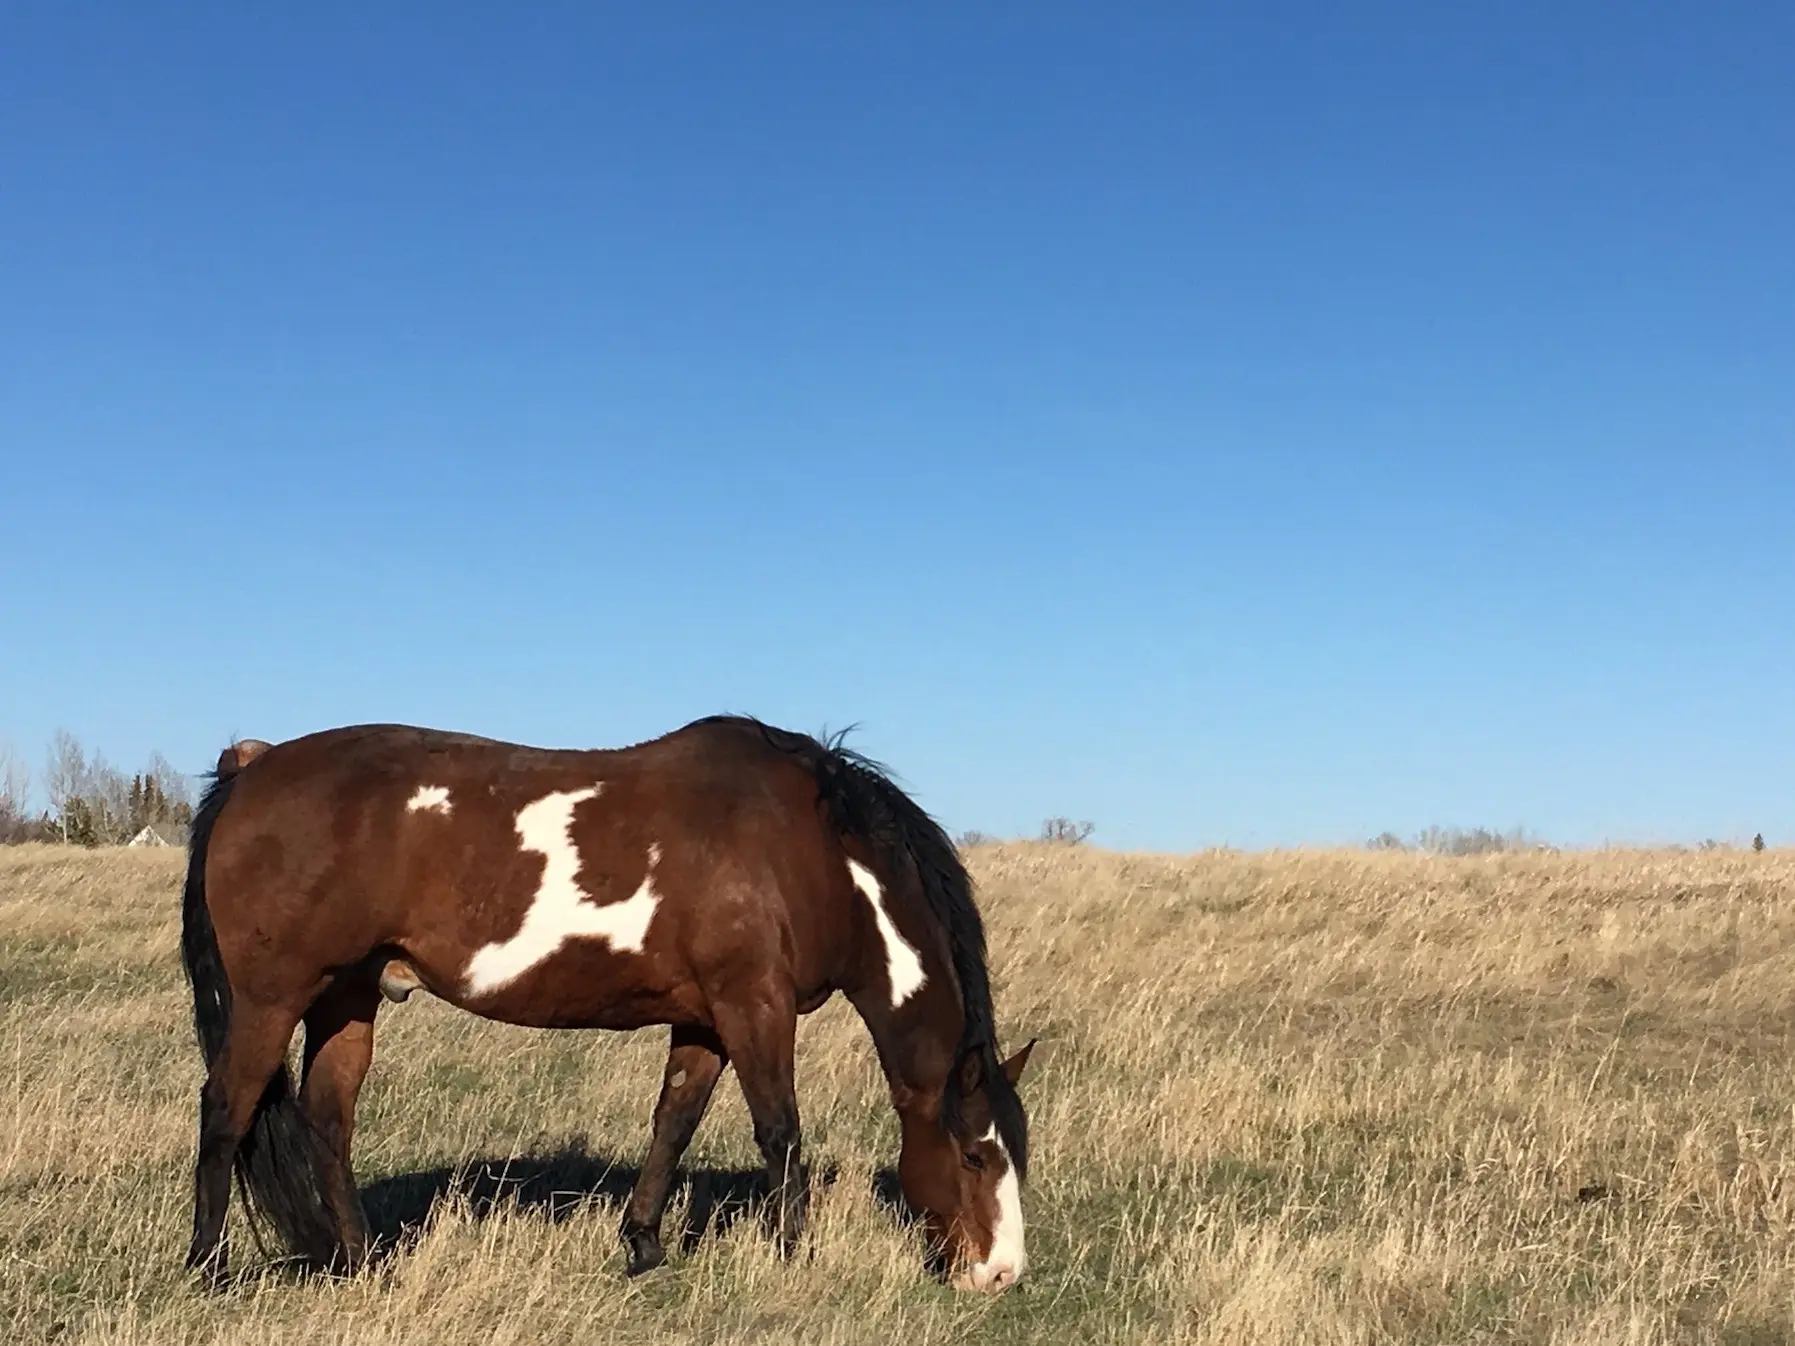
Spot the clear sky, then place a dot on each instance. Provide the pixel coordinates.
(1249, 424)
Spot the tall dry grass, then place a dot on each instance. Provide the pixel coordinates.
(1301, 1097)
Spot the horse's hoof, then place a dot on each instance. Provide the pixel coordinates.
(346, 1265)
(645, 1253)
(213, 1272)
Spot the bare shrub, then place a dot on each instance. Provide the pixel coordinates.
(65, 773)
(1474, 841)
(15, 796)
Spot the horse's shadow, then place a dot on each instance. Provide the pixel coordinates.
(574, 1180)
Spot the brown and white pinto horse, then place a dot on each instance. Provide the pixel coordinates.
(722, 879)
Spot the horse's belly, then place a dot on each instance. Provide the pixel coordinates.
(578, 985)
(616, 1013)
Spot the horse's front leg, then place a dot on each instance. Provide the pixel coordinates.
(759, 1031)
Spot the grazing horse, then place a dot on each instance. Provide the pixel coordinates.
(721, 879)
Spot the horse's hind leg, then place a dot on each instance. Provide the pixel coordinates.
(694, 1062)
(254, 1049)
(339, 1045)
(759, 1032)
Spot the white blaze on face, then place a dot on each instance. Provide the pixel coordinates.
(902, 964)
(429, 799)
(562, 910)
(1007, 1260)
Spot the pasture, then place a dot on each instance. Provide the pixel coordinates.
(1298, 1097)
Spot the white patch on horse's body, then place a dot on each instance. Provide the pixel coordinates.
(902, 963)
(562, 910)
(1008, 1259)
(429, 798)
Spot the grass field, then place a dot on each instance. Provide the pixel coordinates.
(1328, 1097)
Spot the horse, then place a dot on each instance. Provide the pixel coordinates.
(719, 880)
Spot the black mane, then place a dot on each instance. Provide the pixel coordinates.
(864, 801)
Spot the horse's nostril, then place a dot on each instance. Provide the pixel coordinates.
(985, 1278)
(996, 1279)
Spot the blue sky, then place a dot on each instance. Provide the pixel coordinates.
(1232, 424)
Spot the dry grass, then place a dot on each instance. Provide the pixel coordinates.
(1299, 1097)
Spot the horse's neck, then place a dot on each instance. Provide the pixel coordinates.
(917, 1044)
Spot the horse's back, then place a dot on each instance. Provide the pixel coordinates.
(705, 752)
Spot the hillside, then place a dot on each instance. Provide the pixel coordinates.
(1330, 1097)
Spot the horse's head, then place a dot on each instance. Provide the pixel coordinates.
(958, 1173)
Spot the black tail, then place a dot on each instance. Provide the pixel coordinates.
(280, 1159)
(199, 942)
(865, 802)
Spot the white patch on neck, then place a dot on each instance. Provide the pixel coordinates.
(562, 910)
(428, 799)
(1008, 1258)
(902, 964)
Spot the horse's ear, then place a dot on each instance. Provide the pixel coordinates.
(1013, 1068)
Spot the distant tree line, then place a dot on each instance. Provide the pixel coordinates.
(91, 802)
(1460, 841)
(1058, 831)
(1487, 841)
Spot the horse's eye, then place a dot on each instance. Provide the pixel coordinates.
(974, 1160)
